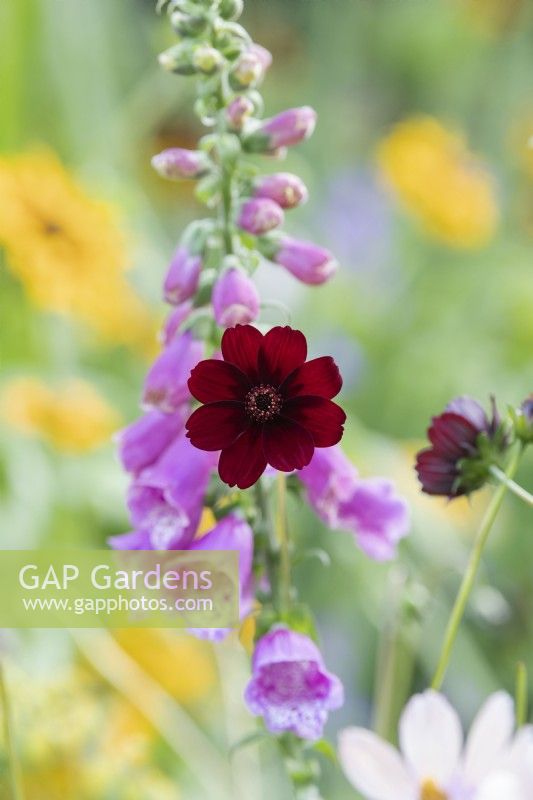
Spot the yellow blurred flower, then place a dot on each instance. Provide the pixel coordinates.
(207, 522)
(440, 181)
(67, 249)
(181, 664)
(76, 739)
(247, 633)
(72, 418)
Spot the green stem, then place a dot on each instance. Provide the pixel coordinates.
(471, 571)
(227, 171)
(14, 775)
(284, 546)
(396, 659)
(271, 554)
(513, 487)
(227, 209)
(521, 694)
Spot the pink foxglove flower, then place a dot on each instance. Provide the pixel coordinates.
(176, 163)
(378, 517)
(142, 442)
(287, 190)
(183, 275)
(166, 499)
(250, 67)
(432, 763)
(290, 686)
(307, 261)
(174, 322)
(235, 298)
(165, 386)
(259, 216)
(370, 508)
(238, 112)
(288, 128)
(163, 525)
(231, 533)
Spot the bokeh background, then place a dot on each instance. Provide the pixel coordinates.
(421, 182)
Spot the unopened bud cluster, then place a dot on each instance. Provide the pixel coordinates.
(213, 264)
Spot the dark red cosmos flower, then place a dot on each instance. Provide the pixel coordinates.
(464, 445)
(264, 404)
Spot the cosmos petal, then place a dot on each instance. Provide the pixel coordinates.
(437, 475)
(319, 377)
(216, 425)
(240, 346)
(212, 381)
(431, 737)
(490, 736)
(281, 352)
(374, 767)
(451, 434)
(322, 418)
(242, 463)
(469, 409)
(287, 445)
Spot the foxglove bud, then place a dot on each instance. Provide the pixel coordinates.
(285, 129)
(207, 59)
(235, 298)
(187, 24)
(238, 111)
(307, 261)
(250, 67)
(287, 190)
(178, 59)
(260, 215)
(176, 162)
(182, 278)
(231, 9)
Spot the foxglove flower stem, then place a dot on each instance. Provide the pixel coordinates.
(227, 208)
(271, 553)
(472, 569)
(284, 544)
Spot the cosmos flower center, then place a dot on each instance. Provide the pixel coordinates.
(262, 403)
(430, 791)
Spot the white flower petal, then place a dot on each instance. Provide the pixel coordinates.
(489, 737)
(501, 786)
(520, 758)
(374, 767)
(431, 737)
(521, 751)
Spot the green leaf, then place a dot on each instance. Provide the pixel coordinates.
(325, 749)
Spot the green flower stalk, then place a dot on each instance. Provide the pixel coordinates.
(469, 449)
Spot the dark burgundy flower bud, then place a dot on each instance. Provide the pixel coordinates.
(464, 444)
